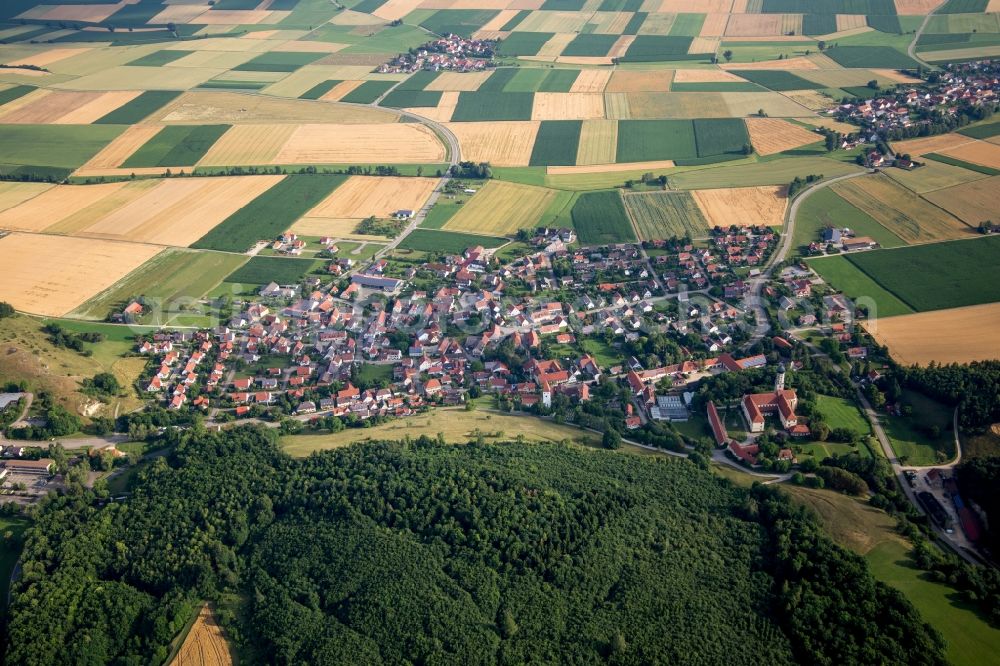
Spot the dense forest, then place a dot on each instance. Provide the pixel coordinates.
(975, 388)
(418, 552)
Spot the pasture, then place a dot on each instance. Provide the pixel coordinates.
(263, 270)
(762, 205)
(502, 208)
(270, 214)
(844, 276)
(666, 215)
(600, 217)
(907, 216)
(956, 335)
(439, 241)
(825, 208)
(52, 275)
(939, 275)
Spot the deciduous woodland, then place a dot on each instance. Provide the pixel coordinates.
(426, 553)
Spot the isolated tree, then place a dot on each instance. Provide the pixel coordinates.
(747, 149)
(612, 439)
(821, 45)
(727, 54)
(7, 310)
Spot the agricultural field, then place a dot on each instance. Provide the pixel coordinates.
(502, 208)
(824, 208)
(53, 275)
(440, 241)
(263, 270)
(898, 210)
(205, 644)
(939, 275)
(361, 144)
(934, 176)
(270, 214)
(556, 143)
(774, 135)
(956, 335)
(973, 202)
(666, 215)
(64, 147)
(481, 106)
(763, 205)
(844, 276)
(363, 196)
(600, 217)
(499, 143)
(176, 146)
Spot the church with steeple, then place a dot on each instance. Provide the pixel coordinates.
(781, 403)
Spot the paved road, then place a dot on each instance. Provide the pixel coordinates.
(753, 298)
(911, 50)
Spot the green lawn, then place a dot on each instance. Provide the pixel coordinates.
(369, 372)
(840, 413)
(605, 355)
(971, 641)
(909, 435)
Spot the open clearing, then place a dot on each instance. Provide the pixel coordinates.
(666, 215)
(363, 196)
(361, 144)
(501, 208)
(248, 145)
(567, 106)
(52, 275)
(895, 208)
(115, 153)
(972, 203)
(763, 205)
(774, 135)
(504, 143)
(457, 425)
(233, 108)
(205, 644)
(958, 335)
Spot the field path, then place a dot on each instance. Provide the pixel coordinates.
(911, 50)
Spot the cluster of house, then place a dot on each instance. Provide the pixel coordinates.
(451, 52)
(183, 365)
(843, 239)
(959, 85)
(701, 268)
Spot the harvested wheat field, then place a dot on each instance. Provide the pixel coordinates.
(958, 335)
(625, 81)
(97, 108)
(706, 76)
(363, 196)
(197, 108)
(813, 100)
(774, 135)
(55, 204)
(498, 21)
(205, 645)
(86, 13)
(754, 25)
(507, 143)
(598, 142)
(608, 168)
(335, 93)
(15, 194)
(444, 110)
(567, 106)
(46, 108)
(460, 81)
(764, 205)
(180, 211)
(52, 275)
(894, 75)
(395, 9)
(898, 210)
(591, 81)
(248, 145)
(714, 25)
(917, 7)
(501, 208)
(930, 144)
(555, 46)
(696, 6)
(801, 62)
(978, 152)
(972, 203)
(239, 17)
(86, 216)
(829, 123)
(361, 144)
(47, 57)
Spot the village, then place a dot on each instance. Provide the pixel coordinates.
(448, 53)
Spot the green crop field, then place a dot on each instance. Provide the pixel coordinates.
(498, 80)
(419, 80)
(516, 21)
(600, 217)
(367, 92)
(462, 22)
(556, 143)
(778, 171)
(720, 136)
(140, 107)
(986, 131)
(433, 240)
(528, 79)
(270, 214)
(827, 7)
(524, 43)
(12, 93)
(590, 45)
(666, 215)
(278, 61)
(884, 57)
(176, 146)
(963, 7)
(645, 140)
(846, 277)
(563, 5)
(819, 24)
(651, 48)
(159, 58)
(938, 275)
(171, 275)
(776, 79)
(61, 146)
(559, 80)
(825, 208)
(263, 270)
(320, 89)
(402, 99)
(473, 106)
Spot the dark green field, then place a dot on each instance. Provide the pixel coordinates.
(474, 106)
(139, 108)
(462, 22)
(367, 92)
(881, 7)
(776, 79)
(720, 136)
(498, 80)
(651, 48)
(524, 43)
(600, 217)
(278, 61)
(61, 146)
(270, 214)
(435, 241)
(12, 93)
(559, 80)
(963, 7)
(159, 58)
(987, 131)
(556, 143)
(643, 140)
(176, 146)
(819, 24)
(939, 275)
(319, 89)
(401, 99)
(262, 270)
(883, 57)
(716, 86)
(590, 45)
(419, 80)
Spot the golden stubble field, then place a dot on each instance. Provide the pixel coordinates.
(774, 135)
(361, 144)
(504, 143)
(501, 208)
(205, 644)
(53, 275)
(362, 196)
(764, 205)
(958, 335)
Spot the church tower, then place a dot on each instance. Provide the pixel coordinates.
(779, 380)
